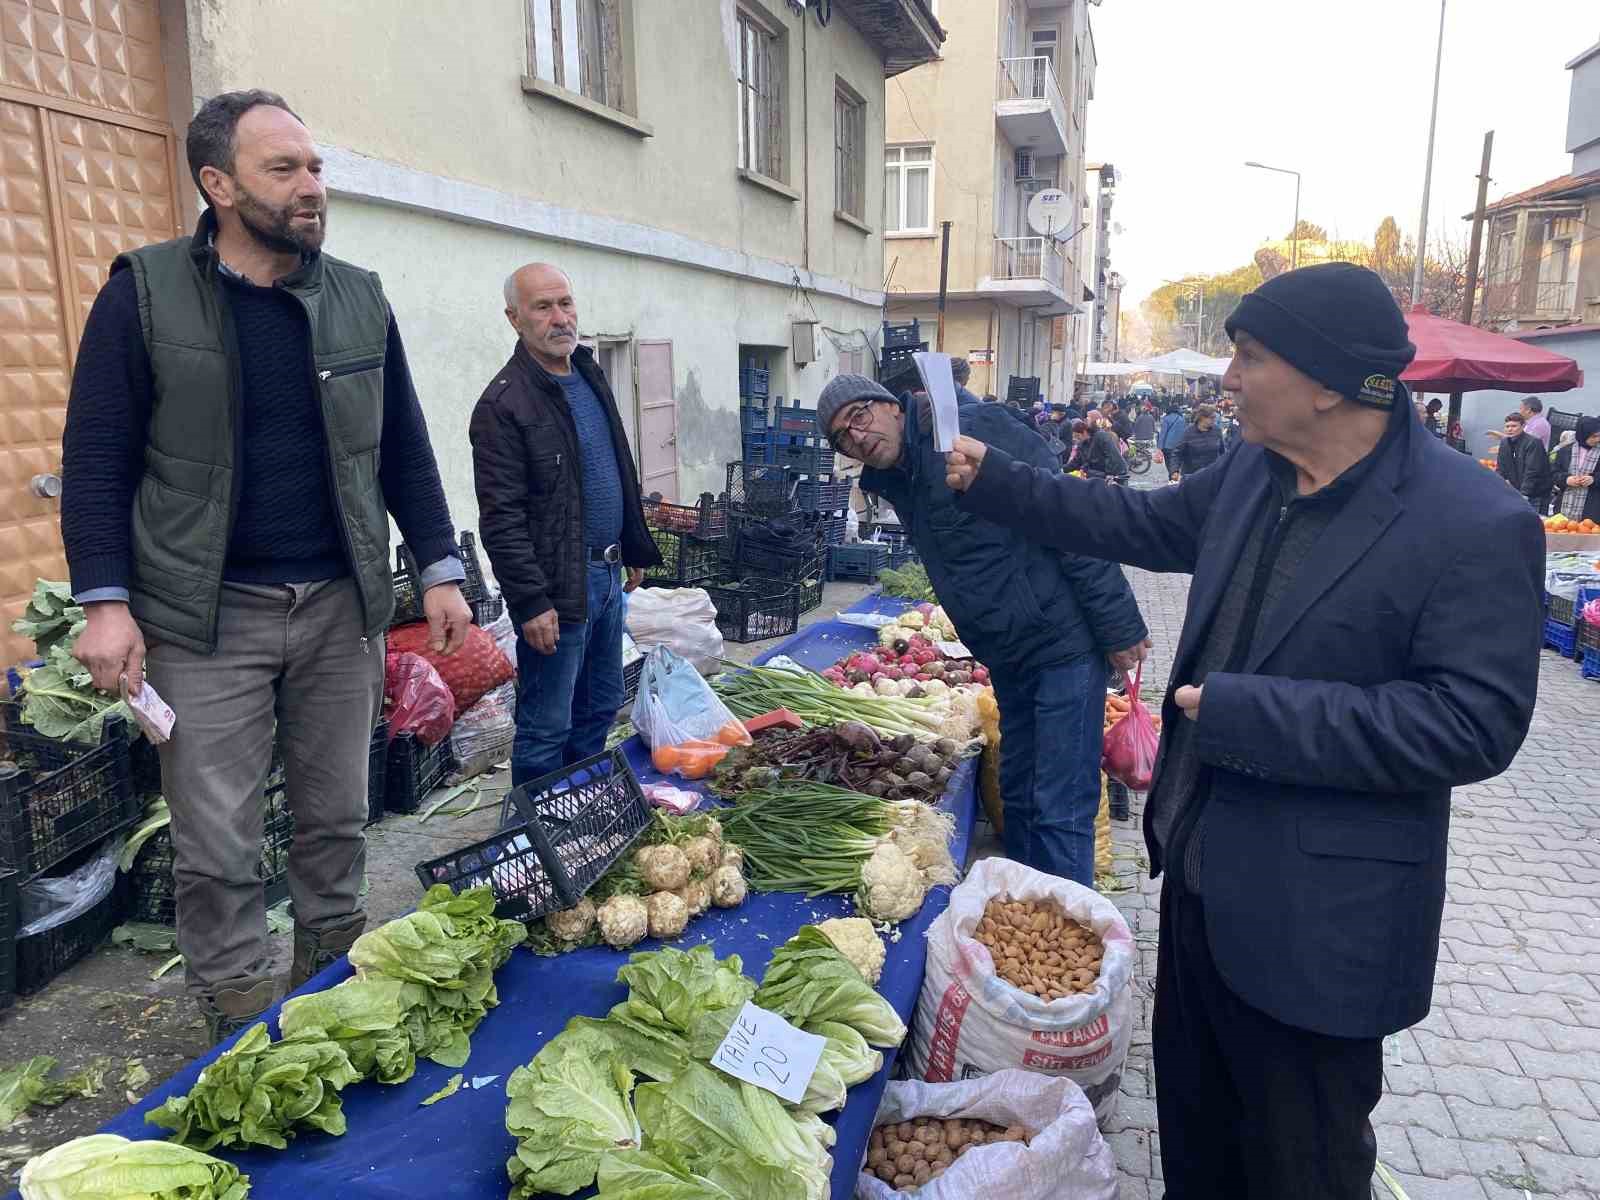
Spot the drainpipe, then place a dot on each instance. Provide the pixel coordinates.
(805, 151)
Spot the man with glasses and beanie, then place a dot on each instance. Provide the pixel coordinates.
(1346, 660)
(1043, 622)
(561, 520)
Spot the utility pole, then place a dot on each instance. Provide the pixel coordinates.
(944, 281)
(1468, 292)
(1427, 175)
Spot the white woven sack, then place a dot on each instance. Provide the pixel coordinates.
(1065, 1158)
(969, 1022)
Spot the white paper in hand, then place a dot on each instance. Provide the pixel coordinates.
(764, 1049)
(940, 385)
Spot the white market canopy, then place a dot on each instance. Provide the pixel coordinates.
(1110, 368)
(1185, 362)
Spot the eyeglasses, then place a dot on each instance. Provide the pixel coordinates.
(858, 420)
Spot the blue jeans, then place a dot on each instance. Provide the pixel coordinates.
(566, 701)
(1050, 740)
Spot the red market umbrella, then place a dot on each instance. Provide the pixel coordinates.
(1452, 357)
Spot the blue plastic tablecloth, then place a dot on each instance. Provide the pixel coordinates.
(458, 1147)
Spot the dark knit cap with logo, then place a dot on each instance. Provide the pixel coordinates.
(1335, 322)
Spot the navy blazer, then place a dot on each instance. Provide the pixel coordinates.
(1402, 661)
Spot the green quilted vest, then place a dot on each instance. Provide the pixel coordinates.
(184, 508)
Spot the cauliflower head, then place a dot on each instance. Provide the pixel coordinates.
(857, 940)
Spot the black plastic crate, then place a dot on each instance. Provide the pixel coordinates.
(8, 937)
(754, 382)
(630, 679)
(413, 771)
(760, 550)
(408, 596)
(144, 760)
(566, 830)
(831, 530)
(823, 493)
(754, 610)
(43, 956)
(706, 519)
(377, 772)
(1560, 610)
(897, 360)
(152, 887)
(811, 592)
(58, 797)
(895, 559)
(860, 561)
(685, 559)
(757, 489)
(805, 455)
(487, 612)
(898, 337)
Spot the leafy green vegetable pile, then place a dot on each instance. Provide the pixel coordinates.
(909, 582)
(104, 1166)
(259, 1091)
(28, 1085)
(692, 1131)
(59, 698)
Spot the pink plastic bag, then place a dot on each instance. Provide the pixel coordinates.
(416, 699)
(1129, 753)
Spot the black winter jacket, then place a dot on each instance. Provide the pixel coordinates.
(1016, 605)
(528, 473)
(1198, 450)
(1100, 457)
(1401, 661)
(1523, 463)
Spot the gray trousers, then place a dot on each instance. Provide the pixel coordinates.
(290, 660)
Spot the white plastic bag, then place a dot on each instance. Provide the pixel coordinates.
(676, 705)
(481, 737)
(682, 619)
(1065, 1158)
(504, 634)
(969, 1022)
(54, 900)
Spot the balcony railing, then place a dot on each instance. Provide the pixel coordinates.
(1030, 258)
(1031, 79)
(1555, 299)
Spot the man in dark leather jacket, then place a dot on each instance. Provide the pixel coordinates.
(560, 518)
(1042, 621)
(1523, 463)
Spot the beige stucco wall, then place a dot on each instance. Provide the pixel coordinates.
(438, 87)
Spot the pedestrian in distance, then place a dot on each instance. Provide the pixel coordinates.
(961, 372)
(1170, 436)
(241, 426)
(1346, 660)
(1116, 420)
(1100, 454)
(1202, 443)
(1043, 622)
(561, 519)
(1522, 462)
(1534, 421)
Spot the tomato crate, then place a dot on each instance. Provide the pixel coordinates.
(408, 595)
(824, 493)
(413, 770)
(8, 938)
(753, 610)
(562, 833)
(56, 797)
(706, 519)
(860, 561)
(377, 772)
(44, 955)
(685, 559)
(759, 489)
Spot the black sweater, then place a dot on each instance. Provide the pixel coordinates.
(286, 529)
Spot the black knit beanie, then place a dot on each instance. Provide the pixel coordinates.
(1337, 323)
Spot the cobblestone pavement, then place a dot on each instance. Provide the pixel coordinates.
(1496, 1095)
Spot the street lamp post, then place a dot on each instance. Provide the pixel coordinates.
(1294, 233)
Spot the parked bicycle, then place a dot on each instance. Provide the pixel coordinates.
(1139, 454)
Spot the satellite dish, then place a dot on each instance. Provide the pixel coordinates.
(1050, 213)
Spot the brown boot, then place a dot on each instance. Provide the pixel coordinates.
(316, 950)
(230, 1009)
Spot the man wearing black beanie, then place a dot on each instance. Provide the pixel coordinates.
(1347, 658)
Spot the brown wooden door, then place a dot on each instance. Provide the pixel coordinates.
(658, 421)
(87, 170)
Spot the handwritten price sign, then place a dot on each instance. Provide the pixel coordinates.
(765, 1050)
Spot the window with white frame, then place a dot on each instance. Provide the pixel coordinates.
(849, 151)
(578, 45)
(908, 189)
(761, 77)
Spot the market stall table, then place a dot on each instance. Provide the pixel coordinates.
(458, 1147)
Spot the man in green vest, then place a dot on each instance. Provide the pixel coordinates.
(242, 423)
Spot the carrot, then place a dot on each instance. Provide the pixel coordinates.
(665, 758)
(733, 734)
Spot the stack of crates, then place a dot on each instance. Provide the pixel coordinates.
(755, 435)
(692, 540)
(900, 342)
